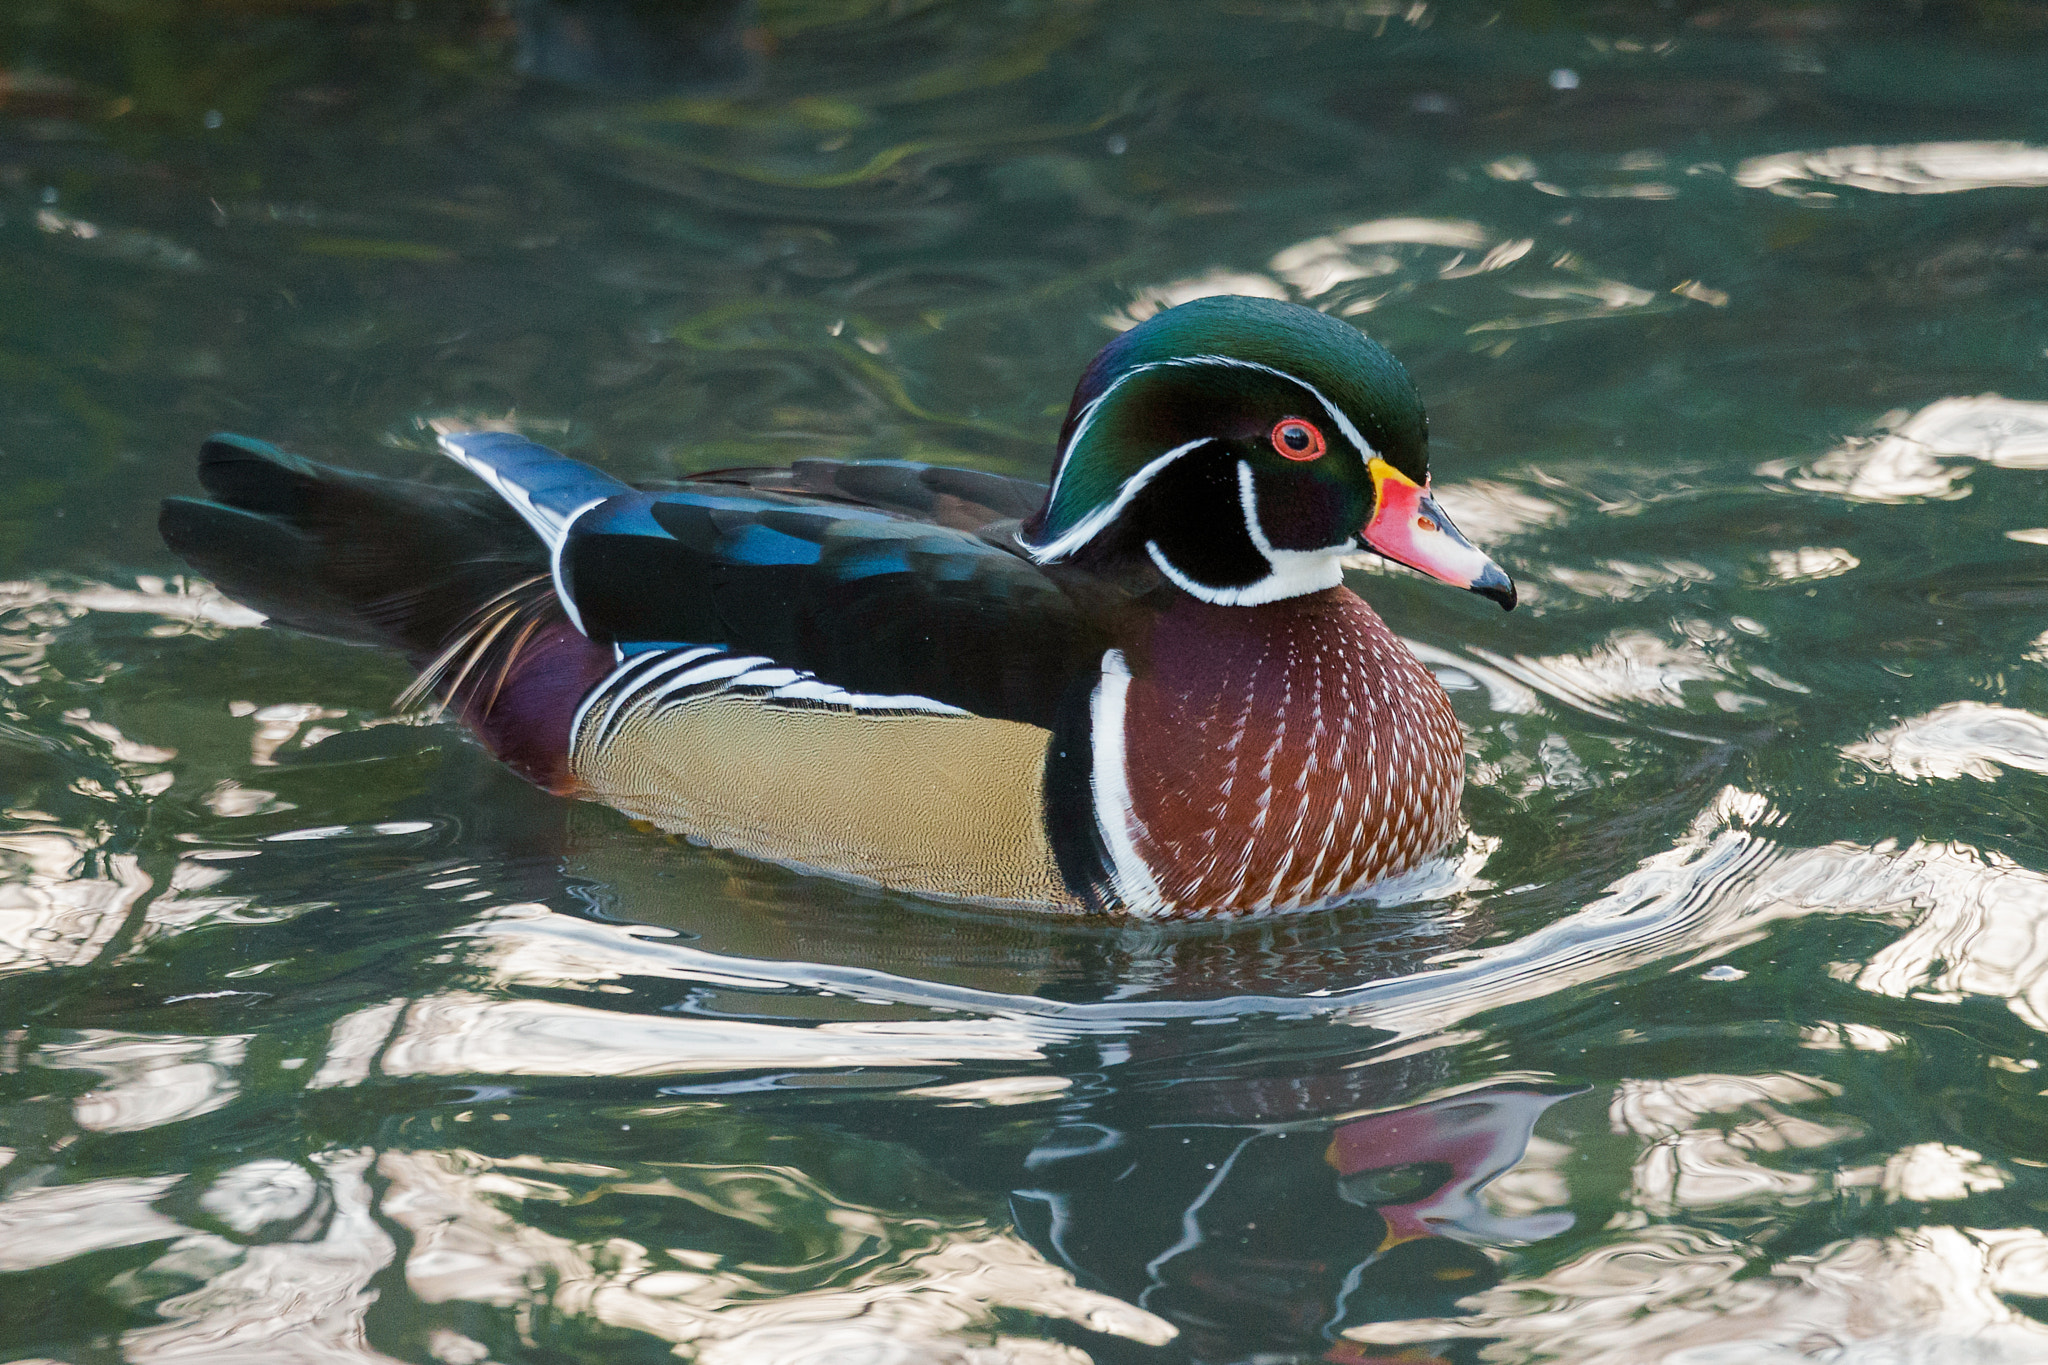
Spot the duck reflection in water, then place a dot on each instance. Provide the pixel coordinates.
(1274, 1237)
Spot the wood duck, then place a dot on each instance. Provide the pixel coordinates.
(1143, 691)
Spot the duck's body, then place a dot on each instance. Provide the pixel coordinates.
(1143, 690)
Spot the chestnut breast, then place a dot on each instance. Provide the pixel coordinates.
(1284, 755)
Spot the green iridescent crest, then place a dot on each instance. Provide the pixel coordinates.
(1224, 369)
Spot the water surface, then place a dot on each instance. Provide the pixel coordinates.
(324, 1039)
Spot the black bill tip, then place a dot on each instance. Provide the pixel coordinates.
(1497, 586)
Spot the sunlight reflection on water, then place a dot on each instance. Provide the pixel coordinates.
(1907, 462)
(1921, 168)
(1369, 265)
(1688, 1298)
(1717, 1040)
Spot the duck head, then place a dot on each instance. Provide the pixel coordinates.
(1245, 447)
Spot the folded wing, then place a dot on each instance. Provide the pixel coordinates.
(839, 570)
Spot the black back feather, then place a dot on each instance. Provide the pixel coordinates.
(931, 598)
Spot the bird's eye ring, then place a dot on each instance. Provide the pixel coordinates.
(1296, 439)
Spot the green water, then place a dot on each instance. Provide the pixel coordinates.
(323, 1039)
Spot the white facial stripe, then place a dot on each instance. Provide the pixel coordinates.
(1132, 880)
(1336, 414)
(1093, 524)
(1294, 572)
(1351, 433)
(1248, 503)
(1088, 414)
(1181, 580)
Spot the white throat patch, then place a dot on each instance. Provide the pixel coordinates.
(1295, 573)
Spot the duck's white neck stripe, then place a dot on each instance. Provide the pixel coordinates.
(1110, 781)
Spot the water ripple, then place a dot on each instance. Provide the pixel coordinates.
(1961, 739)
(1686, 1296)
(1906, 464)
(1913, 168)
(854, 1282)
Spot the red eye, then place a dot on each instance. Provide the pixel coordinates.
(1297, 440)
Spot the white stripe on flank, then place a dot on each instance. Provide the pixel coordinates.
(770, 678)
(716, 669)
(670, 663)
(809, 688)
(650, 689)
(649, 680)
(601, 693)
(596, 696)
(1132, 880)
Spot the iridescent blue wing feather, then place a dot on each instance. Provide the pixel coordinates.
(790, 565)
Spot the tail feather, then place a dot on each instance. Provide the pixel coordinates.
(349, 556)
(260, 563)
(453, 578)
